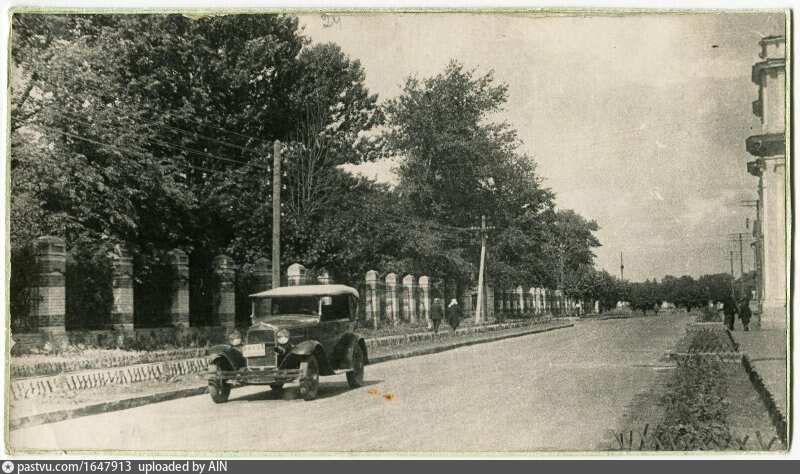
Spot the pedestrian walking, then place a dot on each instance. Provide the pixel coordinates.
(729, 310)
(436, 314)
(453, 318)
(745, 313)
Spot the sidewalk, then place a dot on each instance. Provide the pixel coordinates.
(765, 361)
(50, 408)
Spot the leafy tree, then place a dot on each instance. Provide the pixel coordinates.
(568, 250)
(456, 165)
(156, 131)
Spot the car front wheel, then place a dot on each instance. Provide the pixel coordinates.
(309, 378)
(355, 378)
(219, 391)
(276, 387)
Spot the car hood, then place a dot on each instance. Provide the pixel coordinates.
(289, 321)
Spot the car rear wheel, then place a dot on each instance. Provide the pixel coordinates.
(219, 391)
(355, 378)
(309, 378)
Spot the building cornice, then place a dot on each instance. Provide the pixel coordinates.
(771, 66)
(771, 144)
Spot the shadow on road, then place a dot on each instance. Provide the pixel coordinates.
(292, 392)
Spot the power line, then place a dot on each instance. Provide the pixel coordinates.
(129, 151)
(176, 129)
(176, 147)
(152, 109)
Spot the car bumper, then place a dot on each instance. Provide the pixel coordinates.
(268, 376)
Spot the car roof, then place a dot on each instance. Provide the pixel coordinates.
(307, 290)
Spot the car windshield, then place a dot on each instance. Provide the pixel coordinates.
(271, 307)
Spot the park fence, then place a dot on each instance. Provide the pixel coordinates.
(194, 301)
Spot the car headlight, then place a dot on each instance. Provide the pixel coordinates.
(283, 336)
(235, 338)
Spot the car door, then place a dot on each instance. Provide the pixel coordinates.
(334, 321)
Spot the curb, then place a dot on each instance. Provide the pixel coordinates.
(133, 402)
(776, 415)
(96, 409)
(456, 345)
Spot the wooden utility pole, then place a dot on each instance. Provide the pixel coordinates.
(479, 308)
(732, 274)
(276, 214)
(621, 268)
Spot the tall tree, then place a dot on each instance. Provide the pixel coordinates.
(456, 165)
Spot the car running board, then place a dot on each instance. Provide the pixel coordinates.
(342, 371)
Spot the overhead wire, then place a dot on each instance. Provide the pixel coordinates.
(129, 151)
(167, 145)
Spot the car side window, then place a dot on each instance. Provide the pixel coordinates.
(338, 309)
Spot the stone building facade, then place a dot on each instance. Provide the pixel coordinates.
(769, 148)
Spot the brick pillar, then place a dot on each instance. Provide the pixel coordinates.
(490, 304)
(224, 291)
(540, 301)
(465, 302)
(296, 274)
(450, 292)
(532, 300)
(392, 303)
(373, 303)
(262, 271)
(122, 284)
(425, 299)
(179, 303)
(409, 300)
(48, 303)
(324, 278)
(520, 298)
(545, 301)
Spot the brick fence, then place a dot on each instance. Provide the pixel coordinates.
(386, 298)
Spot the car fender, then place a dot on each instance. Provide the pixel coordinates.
(343, 354)
(305, 349)
(228, 353)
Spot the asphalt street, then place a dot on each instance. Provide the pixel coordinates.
(556, 391)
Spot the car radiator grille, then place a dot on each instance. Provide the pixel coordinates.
(266, 337)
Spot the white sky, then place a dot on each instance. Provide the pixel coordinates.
(635, 121)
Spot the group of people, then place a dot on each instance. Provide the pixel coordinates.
(730, 309)
(452, 313)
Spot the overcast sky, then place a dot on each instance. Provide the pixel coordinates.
(635, 121)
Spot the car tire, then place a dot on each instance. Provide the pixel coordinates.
(276, 387)
(355, 378)
(309, 378)
(219, 391)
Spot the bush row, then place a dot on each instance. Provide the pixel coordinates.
(35, 366)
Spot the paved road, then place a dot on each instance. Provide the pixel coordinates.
(561, 390)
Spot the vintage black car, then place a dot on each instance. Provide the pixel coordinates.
(298, 333)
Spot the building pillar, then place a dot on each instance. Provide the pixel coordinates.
(409, 300)
(224, 291)
(392, 303)
(179, 302)
(49, 309)
(122, 288)
(296, 274)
